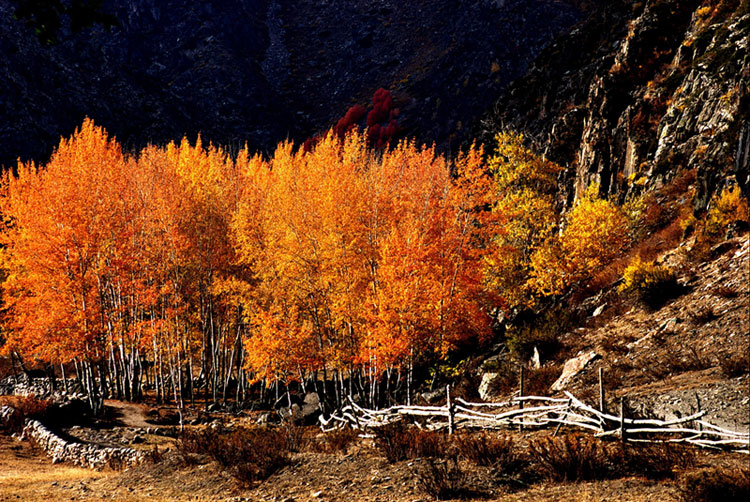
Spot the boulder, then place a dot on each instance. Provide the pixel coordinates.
(487, 385)
(310, 408)
(573, 367)
(433, 396)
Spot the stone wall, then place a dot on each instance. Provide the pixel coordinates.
(85, 455)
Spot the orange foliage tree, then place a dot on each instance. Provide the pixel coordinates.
(185, 267)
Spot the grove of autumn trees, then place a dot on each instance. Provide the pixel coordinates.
(184, 268)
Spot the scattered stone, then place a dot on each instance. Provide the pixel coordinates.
(599, 310)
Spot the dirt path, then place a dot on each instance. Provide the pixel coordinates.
(127, 414)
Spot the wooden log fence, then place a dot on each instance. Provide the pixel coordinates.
(536, 412)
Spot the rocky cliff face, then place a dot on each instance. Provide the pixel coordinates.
(638, 92)
(264, 70)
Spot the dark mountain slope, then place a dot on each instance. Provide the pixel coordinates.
(261, 70)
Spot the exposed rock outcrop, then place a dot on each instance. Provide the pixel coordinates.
(655, 87)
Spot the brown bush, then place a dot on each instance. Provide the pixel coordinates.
(570, 458)
(443, 480)
(398, 442)
(506, 379)
(250, 454)
(653, 461)
(31, 407)
(734, 365)
(487, 450)
(293, 435)
(336, 441)
(703, 316)
(579, 458)
(538, 381)
(725, 292)
(717, 484)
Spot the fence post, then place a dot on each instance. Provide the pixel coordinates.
(449, 404)
(698, 401)
(560, 423)
(622, 420)
(520, 403)
(602, 404)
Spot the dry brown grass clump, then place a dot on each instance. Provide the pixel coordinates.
(443, 480)
(398, 441)
(249, 454)
(335, 441)
(577, 457)
(487, 450)
(736, 364)
(717, 484)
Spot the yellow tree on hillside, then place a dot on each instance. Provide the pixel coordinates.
(525, 186)
(595, 232)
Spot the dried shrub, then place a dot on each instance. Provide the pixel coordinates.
(249, 454)
(12, 423)
(734, 365)
(570, 458)
(337, 441)
(653, 461)
(31, 407)
(703, 316)
(154, 456)
(293, 435)
(443, 480)
(718, 484)
(537, 382)
(579, 458)
(487, 450)
(506, 376)
(116, 463)
(398, 441)
(725, 292)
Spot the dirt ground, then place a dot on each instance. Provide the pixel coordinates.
(359, 474)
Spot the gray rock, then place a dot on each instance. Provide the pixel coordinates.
(487, 385)
(433, 396)
(599, 310)
(573, 367)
